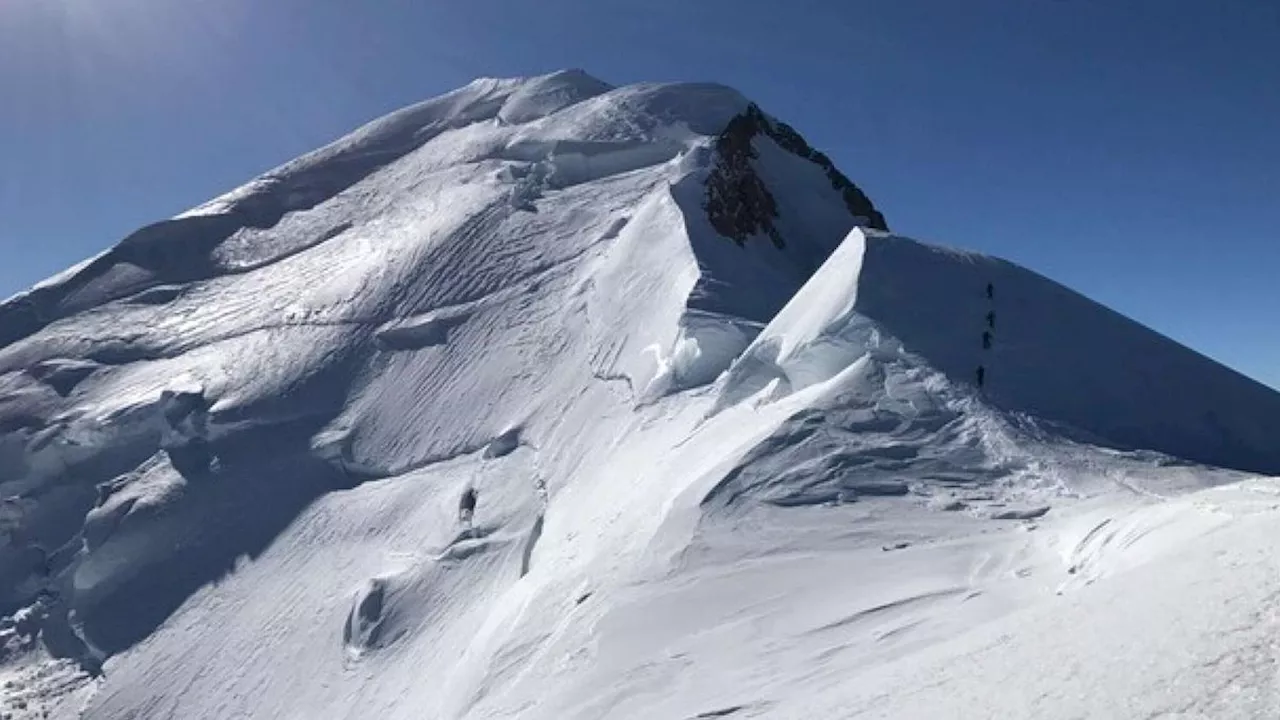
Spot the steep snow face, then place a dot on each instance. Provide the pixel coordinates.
(541, 398)
(926, 386)
(1041, 350)
(493, 270)
(1063, 358)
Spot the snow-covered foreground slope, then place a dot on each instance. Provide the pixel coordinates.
(728, 448)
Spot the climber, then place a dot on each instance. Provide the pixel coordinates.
(991, 319)
(991, 291)
(982, 375)
(467, 506)
(986, 339)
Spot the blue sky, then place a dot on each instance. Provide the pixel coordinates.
(1127, 148)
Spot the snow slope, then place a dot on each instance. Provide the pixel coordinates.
(1048, 352)
(724, 432)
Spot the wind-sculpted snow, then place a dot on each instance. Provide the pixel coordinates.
(540, 97)
(1044, 351)
(1058, 356)
(377, 306)
(476, 413)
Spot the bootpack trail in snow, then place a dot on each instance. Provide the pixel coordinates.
(549, 399)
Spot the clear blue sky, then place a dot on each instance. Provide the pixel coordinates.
(1128, 148)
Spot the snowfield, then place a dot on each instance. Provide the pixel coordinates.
(737, 450)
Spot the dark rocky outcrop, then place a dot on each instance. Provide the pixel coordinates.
(739, 204)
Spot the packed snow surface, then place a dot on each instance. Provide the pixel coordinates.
(474, 414)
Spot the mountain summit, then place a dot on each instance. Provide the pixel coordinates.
(544, 398)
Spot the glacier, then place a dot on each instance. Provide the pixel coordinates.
(737, 449)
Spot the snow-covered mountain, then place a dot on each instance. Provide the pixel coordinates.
(735, 449)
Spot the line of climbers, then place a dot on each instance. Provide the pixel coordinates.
(987, 334)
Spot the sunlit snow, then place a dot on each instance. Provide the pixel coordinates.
(855, 476)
